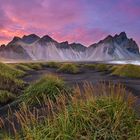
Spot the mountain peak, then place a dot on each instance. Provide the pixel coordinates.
(108, 38)
(30, 38)
(46, 48)
(15, 39)
(47, 38)
(123, 35)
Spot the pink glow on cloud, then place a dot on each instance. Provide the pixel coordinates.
(88, 36)
(84, 21)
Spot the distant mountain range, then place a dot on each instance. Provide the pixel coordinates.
(32, 47)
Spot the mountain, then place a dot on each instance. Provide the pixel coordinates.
(114, 48)
(32, 47)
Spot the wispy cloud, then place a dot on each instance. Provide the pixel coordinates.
(84, 21)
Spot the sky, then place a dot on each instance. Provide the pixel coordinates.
(83, 21)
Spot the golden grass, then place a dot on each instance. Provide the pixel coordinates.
(101, 112)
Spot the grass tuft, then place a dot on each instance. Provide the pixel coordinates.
(9, 78)
(102, 67)
(10, 84)
(50, 86)
(69, 68)
(101, 113)
(90, 66)
(53, 64)
(36, 66)
(128, 70)
(6, 97)
(10, 71)
(22, 67)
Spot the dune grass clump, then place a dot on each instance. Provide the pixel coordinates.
(50, 87)
(10, 71)
(53, 64)
(69, 68)
(128, 70)
(102, 67)
(9, 78)
(22, 67)
(11, 84)
(90, 66)
(36, 66)
(6, 96)
(99, 67)
(101, 113)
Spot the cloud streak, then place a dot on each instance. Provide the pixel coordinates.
(85, 21)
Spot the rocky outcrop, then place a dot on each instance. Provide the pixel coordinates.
(32, 47)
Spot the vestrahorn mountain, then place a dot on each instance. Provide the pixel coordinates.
(32, 47)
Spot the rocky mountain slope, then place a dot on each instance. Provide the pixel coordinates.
(32, 47)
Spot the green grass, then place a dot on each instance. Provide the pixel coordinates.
(90, 66)
(48, 87)
(98, 67)
(22, 67)
(6, 97)
(53, 64)
(131, 71)
(10, 71)
(69, 68)
(9, 78)
(102, 67)
(108, 116)
(10, 83)
(36, 66)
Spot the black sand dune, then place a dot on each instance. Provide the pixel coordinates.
(93, 76)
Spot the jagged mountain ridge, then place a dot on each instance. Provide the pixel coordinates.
(32, 47)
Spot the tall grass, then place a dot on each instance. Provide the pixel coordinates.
(49, 86)
(6, 97)
(98, 112)
(9, 78)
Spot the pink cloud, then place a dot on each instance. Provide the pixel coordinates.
(85, 21)
(88, 36)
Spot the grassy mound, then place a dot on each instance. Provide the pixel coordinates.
(9, 78)
(104, 117)
(131, 71)
(98, 67)
(102, 67)
(10, 84)
(53, 64)
(35, 66)
(90, 66)
(10, 71)
(69, 68)
(6, 97)
(49, 87)
(22, 67)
